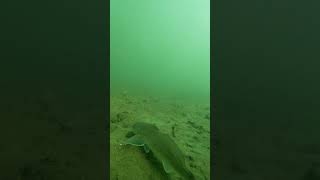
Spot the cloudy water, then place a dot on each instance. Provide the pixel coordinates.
(161, 48)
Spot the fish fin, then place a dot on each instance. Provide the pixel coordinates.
(167, 167)
(135, 140)
(146, 148)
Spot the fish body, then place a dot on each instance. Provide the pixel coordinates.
(162, 147)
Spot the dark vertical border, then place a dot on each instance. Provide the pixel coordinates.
(212, 101)
(108, 90)
(54, 89)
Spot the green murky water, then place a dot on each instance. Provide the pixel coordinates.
(160, 74)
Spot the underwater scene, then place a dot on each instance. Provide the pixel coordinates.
(160, 90)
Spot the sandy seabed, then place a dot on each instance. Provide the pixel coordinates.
(187, 124)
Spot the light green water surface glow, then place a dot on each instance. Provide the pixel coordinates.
(161, 48)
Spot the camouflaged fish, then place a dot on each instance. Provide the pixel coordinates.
(162, 147)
